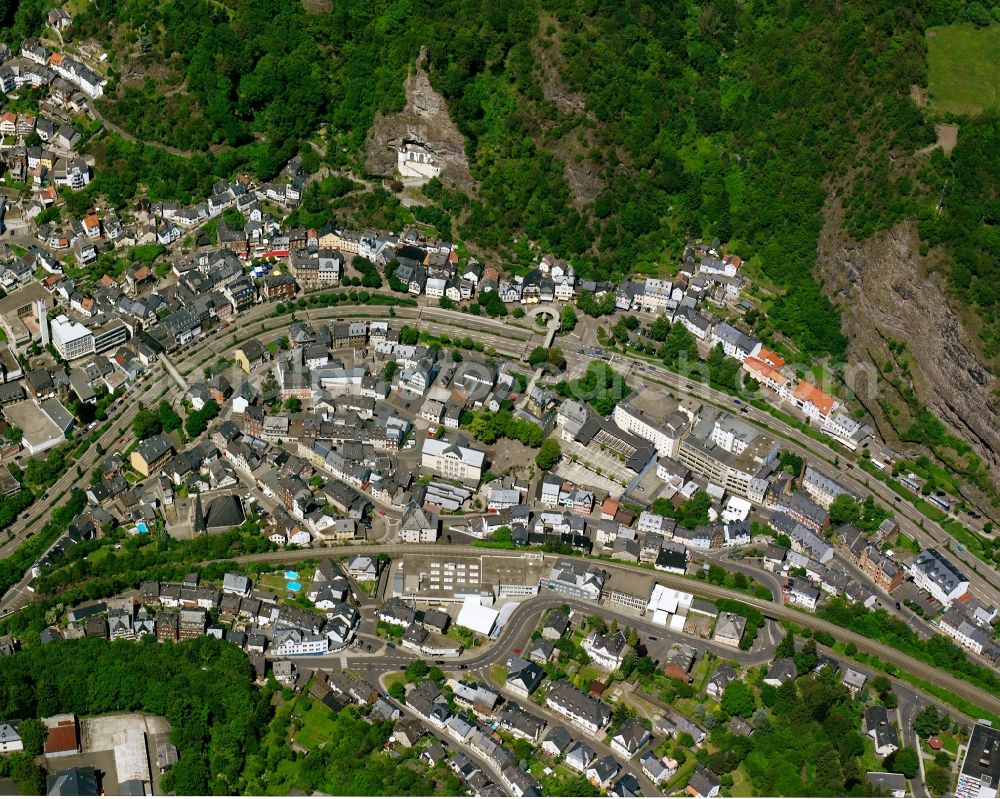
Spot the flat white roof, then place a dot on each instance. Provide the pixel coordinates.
(667, 600)
(476, 617)
(67, 329)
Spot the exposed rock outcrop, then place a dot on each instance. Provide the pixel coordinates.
(885, 295)
(424, 119)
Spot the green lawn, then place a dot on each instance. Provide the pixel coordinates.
(586, 675)
(275, 581)
(317, 725)
(702, 671)
(963, 68)
(741, 783)
(950, 743)
(869, 760)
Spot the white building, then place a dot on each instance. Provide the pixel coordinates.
(668, 607)
(418, 527)
(823, 490)
(71, 339)
(846, 429)
(735, 343)
(289, 643)
(10, 739)
(664, 436)
(476, 616)
(452, 461)
(938, 576)
(607, 651)
(732, 434)
(964, 631)
(415, 160)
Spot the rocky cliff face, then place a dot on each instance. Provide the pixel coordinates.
(425, 119)
(887, 293)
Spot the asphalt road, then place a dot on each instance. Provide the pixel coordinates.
(802, 618)
(909, 706)
(913, 523)
(517, 635)
(498, 333)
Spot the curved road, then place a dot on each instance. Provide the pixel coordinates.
(155, 381)
(911, 521)
(518, 631)
(500, 331)
(773, 610)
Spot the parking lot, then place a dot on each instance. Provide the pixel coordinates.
(582, 475)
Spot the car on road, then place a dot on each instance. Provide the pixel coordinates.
(438, 662)
(897, 606)
(517, 651)
(390, 646)
(462, 667)
(653, 638)
(688, 386)
(737, 402)
(896, 499)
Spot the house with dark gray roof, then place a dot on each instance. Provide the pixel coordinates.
(578, 707)
(878, 726)
(781, 671)
(703, 783)
(629, 738)
(519, 722)
(934, 573)
(601, 772)
(557, 742)
(721, 677)
(523, 677)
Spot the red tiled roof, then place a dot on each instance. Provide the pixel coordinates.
(807, 392)
(759, 367)
(771, 358)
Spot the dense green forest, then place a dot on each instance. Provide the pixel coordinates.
(691, 127)
(722, 120)
(351, 760)
(203, 687)
(968, 226)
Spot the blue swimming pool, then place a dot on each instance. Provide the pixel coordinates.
(142, 528)
(293, 586)
(291, 575)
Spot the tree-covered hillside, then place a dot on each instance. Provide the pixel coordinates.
(722, 120)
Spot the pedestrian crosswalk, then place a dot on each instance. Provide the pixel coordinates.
(343, 661)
